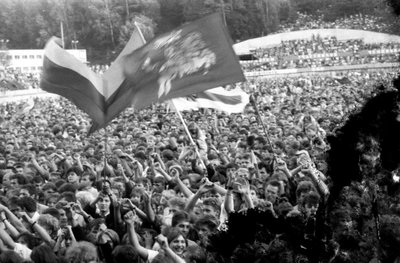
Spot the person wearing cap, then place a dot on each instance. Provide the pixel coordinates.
(19, 168)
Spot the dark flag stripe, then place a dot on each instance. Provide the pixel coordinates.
(73, 86)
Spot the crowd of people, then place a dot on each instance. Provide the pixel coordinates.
(325, 52)
(11, 79)
(358, 22)
(321, 52)
(300, 54)
(140, 191)
(251, 187)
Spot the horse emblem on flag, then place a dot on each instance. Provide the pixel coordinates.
(180, 56)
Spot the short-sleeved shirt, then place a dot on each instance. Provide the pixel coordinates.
(23, 251)
(152, 255)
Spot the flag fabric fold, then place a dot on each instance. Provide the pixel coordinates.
(66, 76)
(190, 59)
(232, 101)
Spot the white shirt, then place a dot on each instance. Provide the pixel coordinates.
(23, 251)
(35, 216)
(152, 254)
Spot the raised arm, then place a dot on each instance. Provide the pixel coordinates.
(147, 196)
(36, 165)
(13, 219)
(193, 200)
(130, 223)
(127, 172)
(162, 240)
(11, 229)
(317, 180)
(244, 190)
(77, 158)
(228, 203)
(38, 229)
(184, 189)
(7, 240)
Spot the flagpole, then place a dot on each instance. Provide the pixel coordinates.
(62, 34)
(140, 32)
(190, 136)
(253, 102)
(105, 153)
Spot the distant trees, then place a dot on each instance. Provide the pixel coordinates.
(103, 26)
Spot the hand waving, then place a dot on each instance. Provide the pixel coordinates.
(129, 218)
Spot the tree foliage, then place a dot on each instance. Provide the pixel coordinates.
(102, 27)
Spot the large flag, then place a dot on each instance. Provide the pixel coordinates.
(65, 75)
(232, 101)
(190, 59)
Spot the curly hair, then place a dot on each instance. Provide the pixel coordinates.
(49, 221)
(82, 251)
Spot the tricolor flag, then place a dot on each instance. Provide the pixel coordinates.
(65, 75)
(232, 101)
(190, 59)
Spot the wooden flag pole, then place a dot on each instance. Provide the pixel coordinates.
(190, 136)
(105, 153)
(253, 102)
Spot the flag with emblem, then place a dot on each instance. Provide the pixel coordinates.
(190, 59)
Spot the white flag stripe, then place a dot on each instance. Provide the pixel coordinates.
(182, 104)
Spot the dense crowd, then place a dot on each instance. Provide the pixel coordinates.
(322, 52)
(11, 79)
(138, 191)
(325, 52)
(250, 188)
(358, 22)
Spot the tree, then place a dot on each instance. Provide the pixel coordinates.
(146, 25)
(171, 14)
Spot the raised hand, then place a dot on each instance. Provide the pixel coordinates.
(128, 202)
(244, 187)
(77, 208)
(157, 166)
(280, 164)
(129, 218)
(174, 173)
(147, 195)
(162, 240)
(25, 217)
(206, 182)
